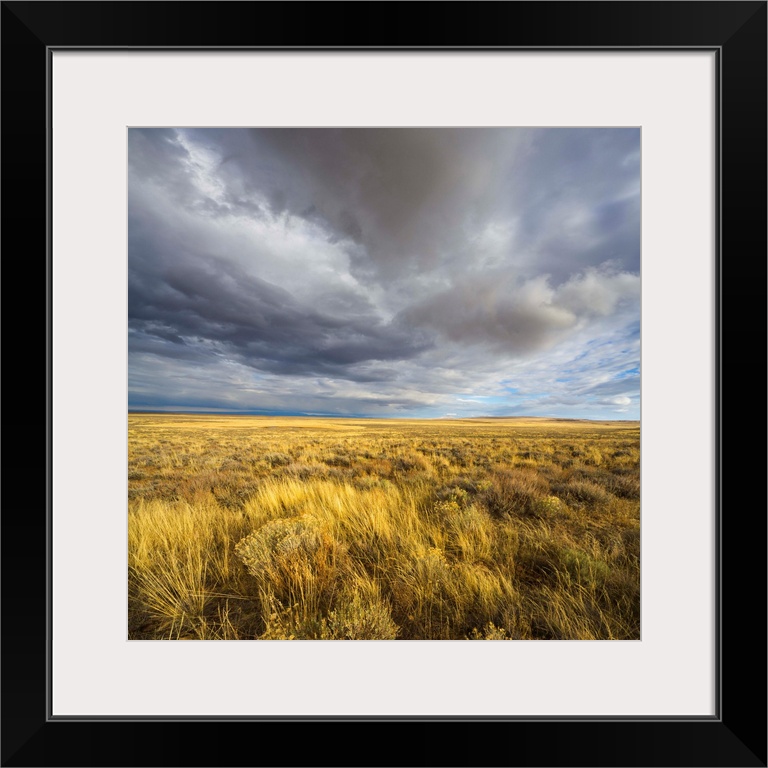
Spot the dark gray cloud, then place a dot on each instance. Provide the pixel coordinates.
(368, 270)
(212, 300)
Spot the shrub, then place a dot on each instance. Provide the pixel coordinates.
(490, 632)
(277, 459)
(293, 559)
(584, 568)
(515, 492)
(549, 506)
(360, 614)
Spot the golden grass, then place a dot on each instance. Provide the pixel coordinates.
(246, 527)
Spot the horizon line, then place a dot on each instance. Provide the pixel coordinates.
(260, 414)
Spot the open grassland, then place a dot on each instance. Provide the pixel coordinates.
(244, 527)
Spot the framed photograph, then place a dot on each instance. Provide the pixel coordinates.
(587, 175)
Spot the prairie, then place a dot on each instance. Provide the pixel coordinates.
(248, 527)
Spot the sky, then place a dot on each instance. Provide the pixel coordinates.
(385, 272)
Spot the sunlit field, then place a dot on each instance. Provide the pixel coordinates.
(261, 528)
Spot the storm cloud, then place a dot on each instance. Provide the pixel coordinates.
(401, 272)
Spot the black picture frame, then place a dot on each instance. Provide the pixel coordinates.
(736, 735)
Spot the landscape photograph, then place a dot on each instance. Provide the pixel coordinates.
(384, 383)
